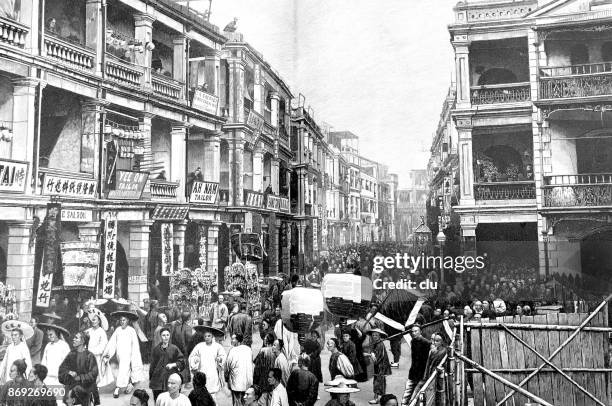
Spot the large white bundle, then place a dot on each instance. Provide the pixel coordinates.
(347, 286)
(302, 300)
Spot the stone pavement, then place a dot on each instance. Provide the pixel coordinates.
(395, 382)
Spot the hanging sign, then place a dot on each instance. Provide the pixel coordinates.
(52, 224)
(315, 236)
(74, 215)
(167, 242)
(54, 185)
(80, 260)
(13, 176)
(253, 199)
(205, 102)
(128, 185)
(43, 293)
(204, 192)
(110, 253)
(164, 212)
(255, 121)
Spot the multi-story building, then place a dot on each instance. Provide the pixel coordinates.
(411, 202)
(370, 193)
(338, 198)
(532, 90)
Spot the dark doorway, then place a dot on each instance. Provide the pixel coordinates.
(512, 245)
(579, 54)
(596, 261)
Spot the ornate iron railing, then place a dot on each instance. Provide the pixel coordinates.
(166, 86)
(123, 72)
(161, 189)
(578, 190)
(505, 93)
(12, 32)
(69, 53)
(505, 190)
(593, 79)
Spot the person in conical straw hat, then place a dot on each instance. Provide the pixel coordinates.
(97, 343)
(55, 351)
(341, 395)
(209, 357)
(125, 346)
(18, 331)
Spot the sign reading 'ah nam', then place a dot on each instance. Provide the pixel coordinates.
(128, 185)
(204, 192)
(12, 176)
(205, 102)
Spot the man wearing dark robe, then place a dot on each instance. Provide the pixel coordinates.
(382, 367)
(313, 349)
(166, 359)
(302, 385)
(80, 368)
(181, 337)
(241, 323)
(419, 347)
(348, 348)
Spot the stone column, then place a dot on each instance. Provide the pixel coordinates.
(462, 67)
(24, 119)
(179, 62)
(144, 125)
(138, 258)
(236, 156)
(92, 113)
(258, 168)
(212, 158)
(237, 90)
(212, 262)
(274, 109)
(29, 15)
(302, 246)
(302, 189)
(274, 175)
(90, 231)
(144, 32)
(258, 100)
(94, 36)
(276, 261)
(213, 68)
(466, 167)
(179, 241)
(178, 137)
(20, 266)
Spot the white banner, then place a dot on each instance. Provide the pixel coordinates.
(13, 176)
(110, 253)
(167, 247)
(43, 293)
(204, 192)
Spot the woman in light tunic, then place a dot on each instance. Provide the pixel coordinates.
(97, 344)
(55, 351)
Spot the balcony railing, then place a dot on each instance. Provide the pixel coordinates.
(505, 190)
(12, 32)
(593, 79)
(166, 86)
(123, 72)
(161, 189)
(69, 53)
(578, 190)
(505, 93)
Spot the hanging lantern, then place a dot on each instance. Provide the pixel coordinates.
(302, 309)
(347, 295)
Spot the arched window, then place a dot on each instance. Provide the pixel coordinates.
(579, 54)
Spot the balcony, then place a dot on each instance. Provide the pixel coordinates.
(161, 189)
(166, 86)
(122, 72)
(516, 190)
(504, 93)
(69, 53)
(561, 82)
(12, 32)
(588, 190)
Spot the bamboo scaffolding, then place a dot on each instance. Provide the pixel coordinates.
(544, 327)
(559, 349)
(529, 370)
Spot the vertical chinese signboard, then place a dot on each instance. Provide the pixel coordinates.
(167, 246)
(43, 293)
(110, 256)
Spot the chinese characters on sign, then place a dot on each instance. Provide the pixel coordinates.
(163, 212)
(128, 185)
(253, 199)
(110, 253)
(277, 203)
(63, 186)
(255, 121)
(205, 102)
(43, 293)
(12, 176)
(167, 240)
(80, 260)
(204, 192)
(315, 236)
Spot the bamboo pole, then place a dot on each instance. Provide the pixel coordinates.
(440, 386)
(563, 374)
(529, 370)
(403, 333)
(503, 380)
(546, 327)
(560, 348)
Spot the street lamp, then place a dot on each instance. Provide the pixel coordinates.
(441, 240)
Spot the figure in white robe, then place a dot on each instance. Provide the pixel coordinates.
(239, 366)
(13, 353)
(124, 344)
(97, 344)
(53, 356)
(209, 357)
(291, 347)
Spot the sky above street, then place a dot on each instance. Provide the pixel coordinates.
(378, 68)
